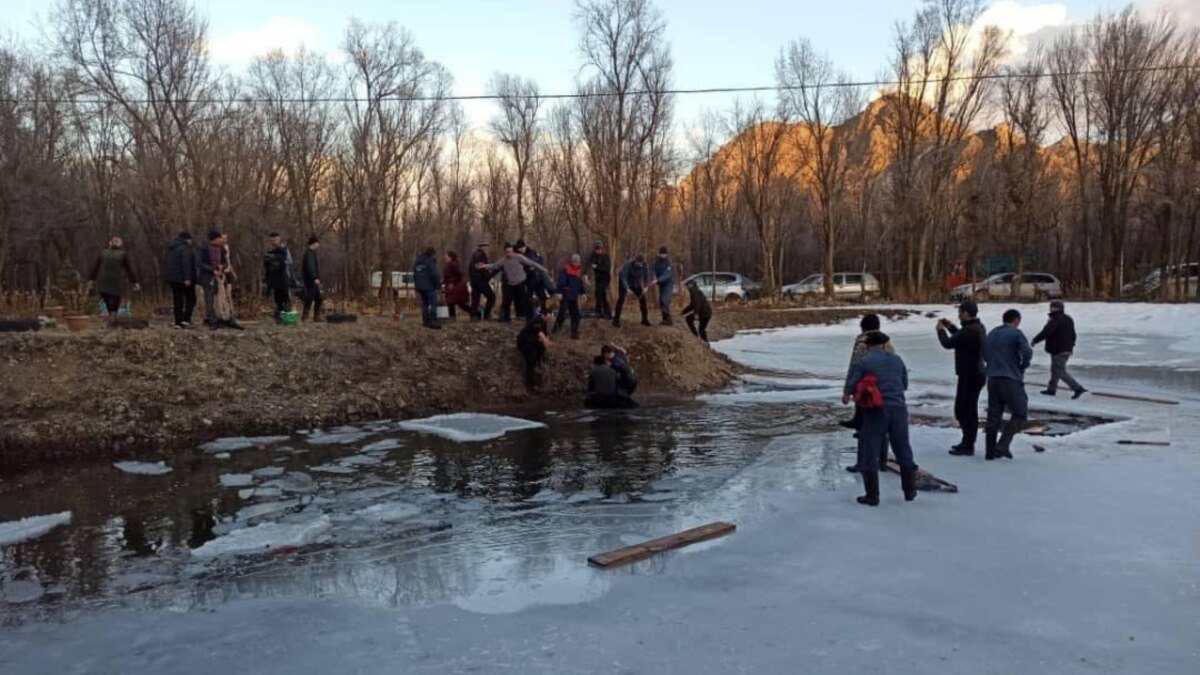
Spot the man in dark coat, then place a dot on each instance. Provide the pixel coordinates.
(967, 343)
(310, 273)
(1059, 336)
(212, 264)
(277, 274)
(883, 423)
(571, 289)
(635, 278)
(532, 342)
(1007, 355)
(611, 383)
(664, 278)
(481, 283)
(599, 265)
(698, 308)
(427, 279)
(179, 271)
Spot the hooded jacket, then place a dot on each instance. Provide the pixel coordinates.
(600, 265)
(454, 284)
(890, 373)
(570, 282)
(110, 271)
(180, 264)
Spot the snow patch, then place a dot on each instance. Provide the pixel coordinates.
(236, 443)
(470, 427)
(143, 468)
(262, 538)
(16, 531)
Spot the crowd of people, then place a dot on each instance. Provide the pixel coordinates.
(877, 379)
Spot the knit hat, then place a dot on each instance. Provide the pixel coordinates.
(639, 258)
(575, 259)
(662, 250)
(185, 235)
(876, 338)
(598, 245)
(214, 234)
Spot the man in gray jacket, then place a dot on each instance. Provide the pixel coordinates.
(513, 265)
(1008, 355)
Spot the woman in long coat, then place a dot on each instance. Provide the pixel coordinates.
(454, 285)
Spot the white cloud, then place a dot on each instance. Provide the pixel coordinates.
(240, 47)
(1022, 22)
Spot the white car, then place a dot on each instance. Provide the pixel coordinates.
(1034, 286)
(845, 285)
(727, 286)
(1182, 283)
(402, 284)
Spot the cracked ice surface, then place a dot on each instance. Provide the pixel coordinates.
(261, 538)
(470, 427)
(16, 531)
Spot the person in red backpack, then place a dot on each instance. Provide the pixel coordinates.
(869, 325)
(884, 415)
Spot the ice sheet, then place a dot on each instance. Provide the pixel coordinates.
(338, 436)
(16, 531)
(143, 468)
(470, 427)
(236, 443)
(391, 512)
(262, 538)
(236, 480)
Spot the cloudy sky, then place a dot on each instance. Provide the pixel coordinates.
(715, 43)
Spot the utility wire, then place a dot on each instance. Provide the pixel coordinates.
(608, 94)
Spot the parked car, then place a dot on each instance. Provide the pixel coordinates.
(727, 286)
(1182, 283)
(1034, 286)
(845, 285)
(402, 284)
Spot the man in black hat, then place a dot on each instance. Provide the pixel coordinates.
(967, 343)
(1059, 336)
(481, 283)
(277, 274)
(664, 278)
(180, 274)
(599, 264)
(635, 278)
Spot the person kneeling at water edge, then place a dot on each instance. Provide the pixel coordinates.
(877, 383)
(611, 383)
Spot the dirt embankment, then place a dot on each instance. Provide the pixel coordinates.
(116, 393)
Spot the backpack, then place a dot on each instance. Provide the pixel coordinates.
(867, 394)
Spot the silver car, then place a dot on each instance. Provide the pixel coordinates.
(845, 285)
(1034, 286)
(727, 286)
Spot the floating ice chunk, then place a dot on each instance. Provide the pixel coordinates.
(263, 492)
(16, 531)
(382, 446)
(143, 468)
(294, 481)
(546, 496)
(470, 427)
(359, 460)
(392, 512)
(657, 497)
(17, 592)
(338, 436)
(236, 443)
(222, 455)
(236, 480)
(264, 509)
(268, 472)
(585, 496)
(332, 468)
(262, 538)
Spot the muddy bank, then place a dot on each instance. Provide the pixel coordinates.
(104, 393)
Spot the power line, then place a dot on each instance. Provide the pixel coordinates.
(606, 94)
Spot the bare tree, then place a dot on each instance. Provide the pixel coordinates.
(517, 127)
(816, 95)
(1020, 146)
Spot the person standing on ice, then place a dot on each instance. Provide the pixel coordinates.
(877, 383)
(1007, 354)
(867, 326)
(1059, 336)
(967, 343)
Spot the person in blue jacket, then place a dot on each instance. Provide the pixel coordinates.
(427, 278)
(570, 290)
(882, 423)
(1007, 354)
(664, 278)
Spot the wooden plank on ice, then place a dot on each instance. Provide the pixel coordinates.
(1157, 444)
(1141, 399)
(629, 554)
(926, 482)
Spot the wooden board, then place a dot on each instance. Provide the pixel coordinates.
(1142, 399)
(1158, 444)
(926, 482)
(629, 554)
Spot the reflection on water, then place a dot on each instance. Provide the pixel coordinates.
(524, 509)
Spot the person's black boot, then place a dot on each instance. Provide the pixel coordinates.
(1078, 393)
(990, 437)
(871, 487)
(908, 483)
(666, 320)
(848, 424)
(616, 323)
(852, 469)
(962, 450)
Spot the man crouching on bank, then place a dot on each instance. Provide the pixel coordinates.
(877, 384)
